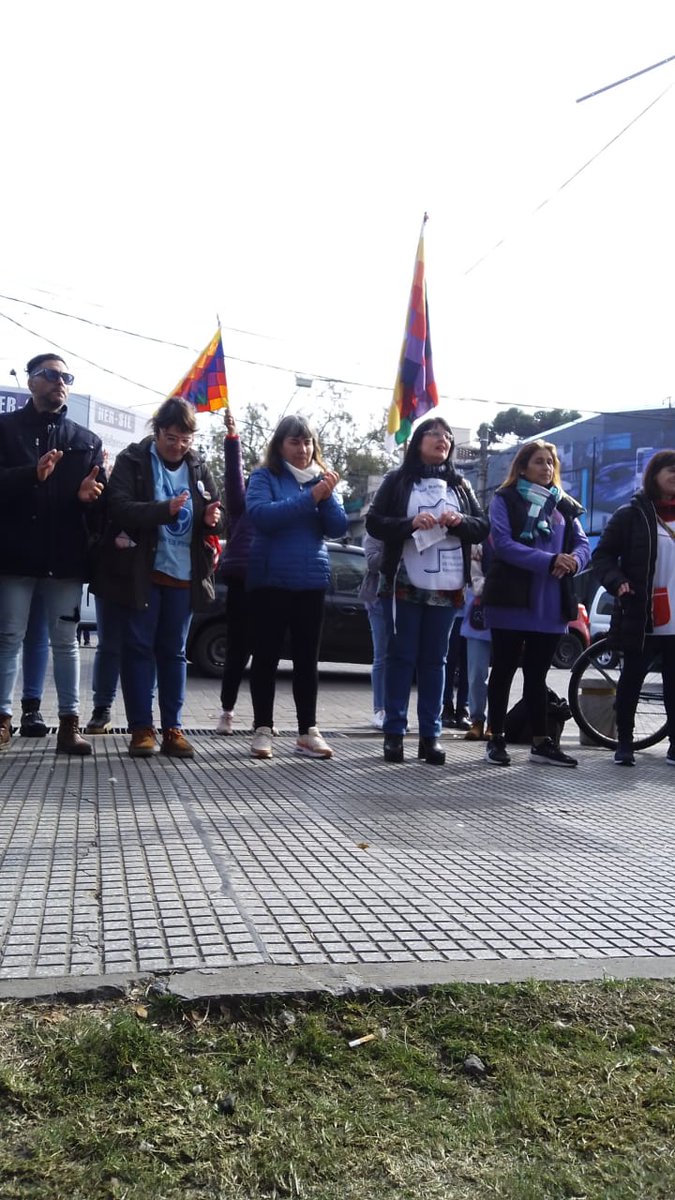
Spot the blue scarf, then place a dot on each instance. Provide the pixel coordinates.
(541, 503)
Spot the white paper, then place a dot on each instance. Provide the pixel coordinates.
(424, 538)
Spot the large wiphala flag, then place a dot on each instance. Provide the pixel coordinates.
(415, 391)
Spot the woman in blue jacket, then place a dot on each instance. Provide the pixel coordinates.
(293, 508)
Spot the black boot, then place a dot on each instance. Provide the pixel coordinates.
(448, 716)
(32, 723)
(393, 747)
(430, 749)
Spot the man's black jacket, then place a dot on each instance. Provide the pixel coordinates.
(45, 530)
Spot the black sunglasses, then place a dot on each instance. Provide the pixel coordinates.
(53, 376)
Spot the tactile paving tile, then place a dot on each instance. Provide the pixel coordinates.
(110, 864)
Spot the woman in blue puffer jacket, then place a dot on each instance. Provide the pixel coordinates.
(293, 507)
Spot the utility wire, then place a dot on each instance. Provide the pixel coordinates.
(81, 358)
(458, 400)
(146, 337)
(572, 177)
(626, 79)
(252, 362)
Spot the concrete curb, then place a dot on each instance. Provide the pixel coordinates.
(244, 982)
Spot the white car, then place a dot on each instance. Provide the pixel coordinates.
(600, 615)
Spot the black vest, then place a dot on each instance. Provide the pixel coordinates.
(507, 586)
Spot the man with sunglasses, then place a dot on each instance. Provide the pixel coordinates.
(51, 478)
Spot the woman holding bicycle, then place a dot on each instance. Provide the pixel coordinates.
(537, 546)
(635, 561)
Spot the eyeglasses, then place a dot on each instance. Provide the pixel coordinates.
(172, 440)
(439, 433)
(53, 376)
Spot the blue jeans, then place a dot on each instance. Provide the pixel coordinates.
(378, 631)
(35, 650)
(418, 644)
(61, 599)
(153, 643)
(456, 666)
(109, 621)
(478, 654)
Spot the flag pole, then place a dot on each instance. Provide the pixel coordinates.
(425, 218)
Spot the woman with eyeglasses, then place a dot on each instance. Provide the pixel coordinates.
(428, 518)
(157, 564)
(292, 505)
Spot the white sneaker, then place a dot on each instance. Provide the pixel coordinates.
(226, 722)
(261, 746)
(378, 719)
(312, 744)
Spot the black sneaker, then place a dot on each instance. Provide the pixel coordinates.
(32, 723)
(623, 755)
(100, 721)
(551, 755)
(495, 752)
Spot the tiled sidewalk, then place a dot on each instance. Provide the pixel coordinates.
(111, 866)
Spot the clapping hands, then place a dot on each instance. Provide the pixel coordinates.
(324, 488)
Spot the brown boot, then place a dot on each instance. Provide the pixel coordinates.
(475, 733)
(143, 742)
(175, 744)
(69, 739)
(5, 730)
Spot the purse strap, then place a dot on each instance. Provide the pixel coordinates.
(667, 528)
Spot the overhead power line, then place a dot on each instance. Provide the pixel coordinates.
(146, 337)
(626, 79)
(572, 177)
(375, 387)
(81, 358)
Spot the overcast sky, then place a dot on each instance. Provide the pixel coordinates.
(271, 163)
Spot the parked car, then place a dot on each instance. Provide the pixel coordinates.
(346, 632)
(602, 606)
(572, 643)
(600, 614)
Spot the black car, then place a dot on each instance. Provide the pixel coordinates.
(346, 632)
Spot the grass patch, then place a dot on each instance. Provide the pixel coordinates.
(149, 1101)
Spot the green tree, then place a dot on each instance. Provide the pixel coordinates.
(353, 452)
(523, 424)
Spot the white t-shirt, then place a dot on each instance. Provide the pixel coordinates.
(440, 567)
(664, 574)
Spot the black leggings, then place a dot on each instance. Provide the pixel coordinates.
(635, 664)
(276, 612)
(238, 641)
(537, 651)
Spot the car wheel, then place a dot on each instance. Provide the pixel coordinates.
(567, 651)
(207, 652)
(607, 659)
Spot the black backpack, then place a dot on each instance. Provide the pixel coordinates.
(517, 728)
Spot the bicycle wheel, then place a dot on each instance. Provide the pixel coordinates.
(592, 698)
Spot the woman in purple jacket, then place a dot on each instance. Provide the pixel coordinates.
(538, 546)
(233, 564)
